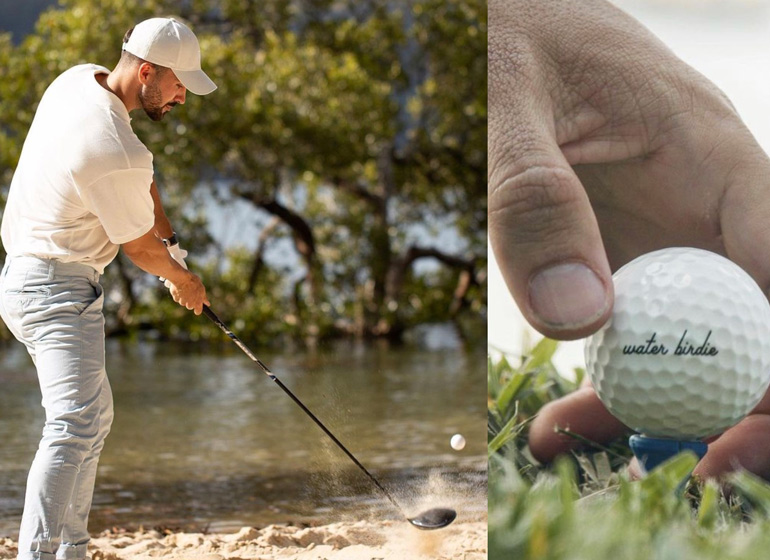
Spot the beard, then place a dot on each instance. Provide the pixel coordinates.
(151, 100)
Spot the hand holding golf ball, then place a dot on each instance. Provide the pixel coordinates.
(686, 353)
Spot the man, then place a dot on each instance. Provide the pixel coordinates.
(83, 188)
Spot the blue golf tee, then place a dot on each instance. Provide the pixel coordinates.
(651, 452)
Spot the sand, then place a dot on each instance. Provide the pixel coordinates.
(362, 540)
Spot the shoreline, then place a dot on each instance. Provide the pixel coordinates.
(346, 540)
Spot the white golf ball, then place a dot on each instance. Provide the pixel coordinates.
(686, 353)
(457, 442)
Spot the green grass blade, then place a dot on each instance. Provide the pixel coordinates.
(512, 389)
(541, 354)
(708, 511)
(754, 489)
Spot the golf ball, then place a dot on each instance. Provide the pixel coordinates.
(457, 442)
(686, 352)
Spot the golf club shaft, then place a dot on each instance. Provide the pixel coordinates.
(211, 315)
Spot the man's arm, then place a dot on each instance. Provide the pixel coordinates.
(150, 254)
(163, 227)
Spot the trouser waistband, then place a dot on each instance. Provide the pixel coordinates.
(53, 267)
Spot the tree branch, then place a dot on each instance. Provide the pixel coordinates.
(259, 254)
(466, 280)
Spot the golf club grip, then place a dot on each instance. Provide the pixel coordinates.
(211, 315)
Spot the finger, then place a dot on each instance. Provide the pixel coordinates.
(542, 229)
(745, 212)
(740, 447)
(197, 308)
(580, 412)
(634, 469)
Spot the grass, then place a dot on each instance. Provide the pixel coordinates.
(583, 507)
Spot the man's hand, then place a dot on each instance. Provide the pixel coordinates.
(604, 146)
(189, 292)
(148, 253)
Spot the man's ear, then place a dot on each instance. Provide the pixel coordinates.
(145, 72)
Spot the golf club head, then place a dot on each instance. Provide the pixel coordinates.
(435, 518)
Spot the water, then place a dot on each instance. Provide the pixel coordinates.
(205, 440)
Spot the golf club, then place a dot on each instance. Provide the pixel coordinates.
(434, 518)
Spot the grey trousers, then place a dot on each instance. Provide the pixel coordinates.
(55, 309)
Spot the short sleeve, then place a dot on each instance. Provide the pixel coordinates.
(123, 203)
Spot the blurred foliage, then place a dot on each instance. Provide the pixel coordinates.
(359, 125)
(584, 507)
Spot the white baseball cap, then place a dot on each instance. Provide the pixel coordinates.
(170, 43)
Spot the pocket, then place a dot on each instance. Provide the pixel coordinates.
(30, 292)
(24, 298)
(26, 285)
(95, 304)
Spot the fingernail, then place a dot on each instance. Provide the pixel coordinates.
(567, 295)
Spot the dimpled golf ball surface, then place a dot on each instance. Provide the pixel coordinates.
(686, 353)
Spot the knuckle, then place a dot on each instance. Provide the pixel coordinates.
(538, 199)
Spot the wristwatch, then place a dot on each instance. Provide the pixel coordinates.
(171, 241)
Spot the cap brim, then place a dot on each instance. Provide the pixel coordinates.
(196, 81)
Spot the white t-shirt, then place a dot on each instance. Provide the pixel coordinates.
(82, 186)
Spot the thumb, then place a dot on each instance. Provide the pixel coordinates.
(547, 244)
(542, 228)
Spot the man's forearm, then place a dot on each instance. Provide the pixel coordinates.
(163, 227)
(149, 254)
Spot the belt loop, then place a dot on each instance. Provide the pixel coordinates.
(51, 268)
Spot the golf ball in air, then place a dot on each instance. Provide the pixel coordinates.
(457, 442)
(686, 352)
